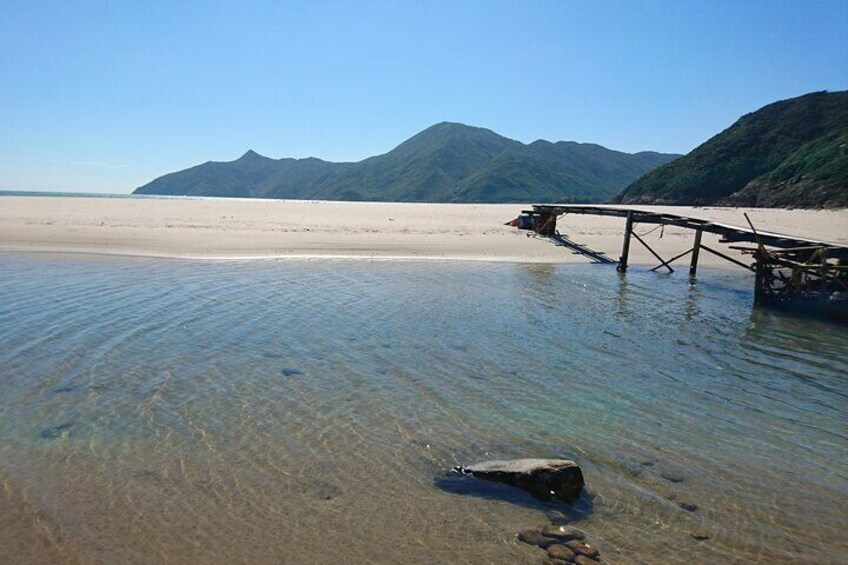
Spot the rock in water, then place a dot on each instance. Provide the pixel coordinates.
(560, 552)
(688, 506)
(543, 478)
(557, 518)
(535, 537)
(583, 548)
(563, 532)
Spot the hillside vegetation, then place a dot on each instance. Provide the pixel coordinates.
(792, 153)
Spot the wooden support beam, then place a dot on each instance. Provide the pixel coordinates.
(654, 253)
(596, 256)
(800, 249)
(696, 249)
(743, 249)
(824, 266)
(726, 258)
(625, 250)
(673, 259)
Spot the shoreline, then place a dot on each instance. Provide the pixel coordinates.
(678, 266)
(246, 230)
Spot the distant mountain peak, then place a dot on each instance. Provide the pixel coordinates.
(449, 125)
(443, 128)
(250, 154)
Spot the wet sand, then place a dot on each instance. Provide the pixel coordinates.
(235, 228)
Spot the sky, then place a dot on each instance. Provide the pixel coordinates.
(104, 96)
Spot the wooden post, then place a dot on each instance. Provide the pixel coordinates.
(663, 262)
(625, 250)
(824, 268)
(693, 266)
(759, 276)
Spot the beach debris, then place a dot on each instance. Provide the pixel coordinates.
(543, 478)
(558, 551)
(535, 537)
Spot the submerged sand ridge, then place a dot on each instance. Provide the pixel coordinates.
(234, 228)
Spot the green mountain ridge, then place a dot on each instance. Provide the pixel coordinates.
(791, 153)
(447, 162)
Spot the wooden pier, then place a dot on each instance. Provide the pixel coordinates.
(789, 271)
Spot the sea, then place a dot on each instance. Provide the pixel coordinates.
(312, 411)
(70, 194)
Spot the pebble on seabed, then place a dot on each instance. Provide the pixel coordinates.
(563, 544)
(563, 532)
(558, 551)
(557, 518)
(583, 548)
(535, 537)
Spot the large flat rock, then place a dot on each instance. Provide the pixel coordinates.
(544, 478)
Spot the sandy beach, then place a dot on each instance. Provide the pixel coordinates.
(230, 229)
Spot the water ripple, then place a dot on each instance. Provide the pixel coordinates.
(228, 411)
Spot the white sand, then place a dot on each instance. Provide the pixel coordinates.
(229, 228)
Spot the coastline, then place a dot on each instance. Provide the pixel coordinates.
(243, 229)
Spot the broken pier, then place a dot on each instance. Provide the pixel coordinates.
(789, 271)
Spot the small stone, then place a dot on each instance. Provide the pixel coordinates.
(673, 476)
(634, 469)
(563, 532)
(583, 560)
(557, 518)
(583, 548)
(558, 551)
(688, 506)
(700, 537)
(535, 537)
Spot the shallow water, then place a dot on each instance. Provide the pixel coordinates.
(303, 412)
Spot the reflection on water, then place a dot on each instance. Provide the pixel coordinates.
(303, 411)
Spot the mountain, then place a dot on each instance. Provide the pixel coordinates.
(792, 153)
(447, 162)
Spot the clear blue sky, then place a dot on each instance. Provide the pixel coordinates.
(105, 96)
